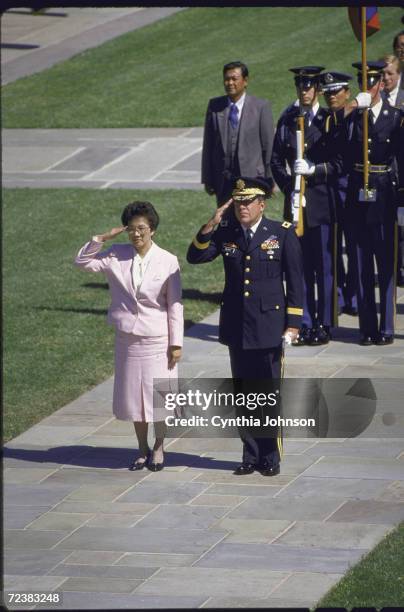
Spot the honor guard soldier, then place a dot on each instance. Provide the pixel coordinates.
(335, 87)
(373, 211)
(316, 224)
(255, 314)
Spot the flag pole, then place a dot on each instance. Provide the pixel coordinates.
(366, 112)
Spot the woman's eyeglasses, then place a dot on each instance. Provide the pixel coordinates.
(140, 229)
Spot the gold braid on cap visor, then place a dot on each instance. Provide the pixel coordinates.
(248, 193)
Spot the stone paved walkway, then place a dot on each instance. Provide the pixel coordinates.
(194, 535)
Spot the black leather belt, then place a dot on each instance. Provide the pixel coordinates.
(373, 168)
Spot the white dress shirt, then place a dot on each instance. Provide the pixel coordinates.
(375, 110)
(253, 228)
(139, 267)
(239, 104)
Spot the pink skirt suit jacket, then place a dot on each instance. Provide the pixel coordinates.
(147, 321)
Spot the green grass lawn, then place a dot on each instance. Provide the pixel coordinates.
(163, 74)
(377, 581)
(56, 341)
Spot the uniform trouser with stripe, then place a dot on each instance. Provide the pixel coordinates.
(400, 261)
(318, 266)
(346, 276)
(376, 241)
(258, 371)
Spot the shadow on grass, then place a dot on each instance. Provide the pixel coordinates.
(18, 46)
(46, 12)
(108, 458)
(95, 285)
(96, 311)
(196, 294)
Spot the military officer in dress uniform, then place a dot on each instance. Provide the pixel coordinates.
(335, 87)
(374, 217)
(255, 312)
(318, 238)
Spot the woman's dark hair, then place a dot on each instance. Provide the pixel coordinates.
(141, 209)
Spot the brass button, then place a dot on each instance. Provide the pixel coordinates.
(277, 307)
(226, 254)
(248, 270)
(246, 282)
(221, 303)
(387, 139)
(248, 257)
(246, 293)
(305, 145)
(271, 257)
(369, 151)
(369, 140)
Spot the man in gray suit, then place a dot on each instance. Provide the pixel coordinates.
(238, 135)
(398, 48)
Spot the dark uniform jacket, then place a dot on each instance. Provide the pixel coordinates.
(386, 155)
(319, 198)
(255, 311)
(255, 140)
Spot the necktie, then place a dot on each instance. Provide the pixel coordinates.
(233, 116)
(249, 235)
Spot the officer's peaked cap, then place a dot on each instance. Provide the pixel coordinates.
(248, 188)
(332, 80)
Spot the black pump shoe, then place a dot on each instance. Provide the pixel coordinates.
(139, 465)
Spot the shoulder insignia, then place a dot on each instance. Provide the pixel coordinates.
(286, 224)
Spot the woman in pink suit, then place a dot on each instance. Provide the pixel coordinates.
(146, 310)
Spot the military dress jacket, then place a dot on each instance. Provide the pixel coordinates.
(319, 149)
(255, 310)
(386, 158)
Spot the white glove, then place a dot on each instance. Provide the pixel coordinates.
(363, 99)
(400, 215)
(287, 338)
(295, 198)
(303, 166)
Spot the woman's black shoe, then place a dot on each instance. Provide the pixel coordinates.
(320, 335)
(303, 337)
(139, 465)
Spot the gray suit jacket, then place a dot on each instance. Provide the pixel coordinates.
(256, 134)
(399, 100)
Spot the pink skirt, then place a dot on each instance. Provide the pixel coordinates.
(139, 360)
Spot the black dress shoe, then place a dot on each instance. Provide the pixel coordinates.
(270, 470)
(138, 465)
(350, 310)
(155, 467)
(383, 340)
(303, 337)
(320, 335)
(366, 340)
(244, 468)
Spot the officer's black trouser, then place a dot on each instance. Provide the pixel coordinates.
(258, 371)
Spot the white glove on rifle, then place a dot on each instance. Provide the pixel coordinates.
(400, 215)
(304, 167)
(363, 99)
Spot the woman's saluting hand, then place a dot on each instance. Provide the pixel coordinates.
(115, 231)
